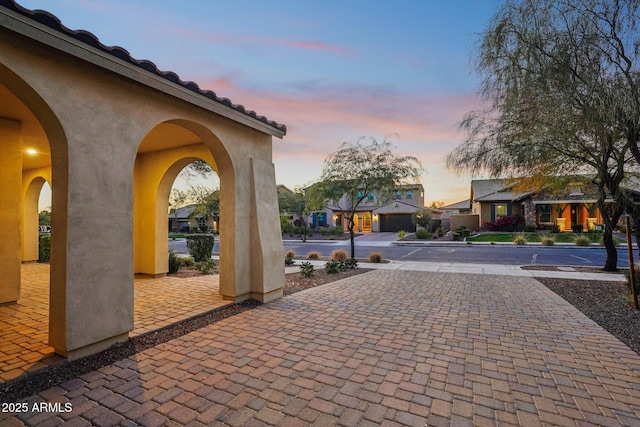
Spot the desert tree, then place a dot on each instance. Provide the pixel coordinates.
(355, 170)
(559, 79)
(299, 202)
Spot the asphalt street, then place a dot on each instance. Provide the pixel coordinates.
(476, 253)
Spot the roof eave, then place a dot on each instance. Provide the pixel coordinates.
(41, 33)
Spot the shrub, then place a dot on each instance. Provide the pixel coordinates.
(44, 250)
(313, 255)
(577, 228)
(423, 234)
(547, 240)
(582, 240)
(349, 264)
(339, 255)
(200, 246)
(205, 266)
(520, 239)
(530, 228)
(337, 230)
(174, 262)
(505, 223)
(306, 269)
(332, 267)
(375, 257)
(187, 262)
(402, 234)
(290, 254)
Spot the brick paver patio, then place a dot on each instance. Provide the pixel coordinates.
(24, 327)
(381, 348)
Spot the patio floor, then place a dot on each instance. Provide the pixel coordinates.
(158, 302)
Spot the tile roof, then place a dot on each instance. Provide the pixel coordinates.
(90, 39)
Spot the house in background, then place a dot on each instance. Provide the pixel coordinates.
(574, 206)
(376, 212)
(495, 198)
(456, 210)
(182, 220)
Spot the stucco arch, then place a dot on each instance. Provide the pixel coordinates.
(33, 181)
(27, 120)
(163, 153)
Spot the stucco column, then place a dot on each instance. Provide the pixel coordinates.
(92, 294)
(267, 250)
(10, 209)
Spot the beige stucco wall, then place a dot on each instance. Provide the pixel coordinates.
(95, 121)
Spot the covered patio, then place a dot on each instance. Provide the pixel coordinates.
(158, 302)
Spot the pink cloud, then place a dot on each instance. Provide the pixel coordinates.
(245, 40)
(319, 119)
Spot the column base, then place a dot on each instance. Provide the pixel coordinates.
(263, 298)
(94, 348)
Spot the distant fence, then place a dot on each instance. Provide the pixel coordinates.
(472, 222)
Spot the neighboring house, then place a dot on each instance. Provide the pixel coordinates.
(374, 213)
(576, 204)
(458, 208)
(182, 220)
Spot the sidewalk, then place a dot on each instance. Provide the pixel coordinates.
(477, 269)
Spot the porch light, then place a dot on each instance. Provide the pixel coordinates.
(31, 151)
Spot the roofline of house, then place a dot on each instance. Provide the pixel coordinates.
(45, 28)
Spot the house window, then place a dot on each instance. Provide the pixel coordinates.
(397, 195)
(408, 194)
(370, 197)
(500, 210)
(359, 195)
(544, 213)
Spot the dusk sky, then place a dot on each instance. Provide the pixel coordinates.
(332, 71)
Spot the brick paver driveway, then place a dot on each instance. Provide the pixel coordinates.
(385, 347)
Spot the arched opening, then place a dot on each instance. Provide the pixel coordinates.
(164, 152)
(33, 148)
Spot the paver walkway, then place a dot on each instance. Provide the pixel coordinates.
(381, 348)
(158, 302)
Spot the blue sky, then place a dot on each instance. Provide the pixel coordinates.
(332, 71)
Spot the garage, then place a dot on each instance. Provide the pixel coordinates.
(396, 222)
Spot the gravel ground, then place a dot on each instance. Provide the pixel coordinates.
(604, 302)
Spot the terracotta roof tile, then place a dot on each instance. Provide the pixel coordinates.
(90, 39)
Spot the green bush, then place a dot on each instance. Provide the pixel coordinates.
(205, 266)
(402, 234)
(350, 264)
(187, 261)
(332, 267)
(339, 255)
(375, 257)
(306, 269)
(288, 261)
(174, 262)
(337, 230)
(200, 246)
(44, 250)
(582, 240)
(423, 234)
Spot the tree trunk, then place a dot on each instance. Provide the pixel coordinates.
(611, 263)
(352, 235)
